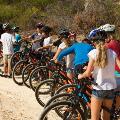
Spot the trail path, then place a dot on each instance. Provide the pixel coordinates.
(17, 102)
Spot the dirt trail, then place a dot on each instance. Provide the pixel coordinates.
(17, 102)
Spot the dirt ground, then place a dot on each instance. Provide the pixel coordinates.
(17, 102)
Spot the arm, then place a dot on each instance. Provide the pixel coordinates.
(118, 62)
(88, 71)
(57, 53)
(65, 52)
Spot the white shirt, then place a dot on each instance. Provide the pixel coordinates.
(47, 41)
(7, 40)
(104, 77)
(69, 58)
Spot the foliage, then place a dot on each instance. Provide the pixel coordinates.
(79, 15)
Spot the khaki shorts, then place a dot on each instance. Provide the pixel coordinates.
(7, 58)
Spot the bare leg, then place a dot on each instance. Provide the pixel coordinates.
(95, 108)
(9, 66)
(5, 64)
(108, 104)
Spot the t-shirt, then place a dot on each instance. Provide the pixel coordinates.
(7, 40)
(80, 51)
(115, 46)
(36, 36)
(69, 58)
(104, 77)
(47, 41)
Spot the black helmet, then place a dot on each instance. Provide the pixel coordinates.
(6, 26)
(64, 33)
(46, 29)
(100, 35)
(15, 28)
(39, 25)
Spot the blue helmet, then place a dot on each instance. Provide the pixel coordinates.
(97, 35)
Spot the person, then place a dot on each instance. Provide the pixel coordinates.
(47, 38)
(114, 45)
(7, 40)
(80, 51)
(67, 40)
(37, 38)
(18, 38)
(101, 63)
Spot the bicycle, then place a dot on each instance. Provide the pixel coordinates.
(49, 86)
(80, 92)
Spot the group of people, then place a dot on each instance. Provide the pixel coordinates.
(100, 51)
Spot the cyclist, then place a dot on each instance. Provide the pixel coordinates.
(80, 51)
(15, 30)
(7, 40)
(37, 38)
(67, 40)
(47, 42)
(101, 62)
(113, 44)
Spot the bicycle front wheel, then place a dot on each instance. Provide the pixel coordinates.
(69, 112)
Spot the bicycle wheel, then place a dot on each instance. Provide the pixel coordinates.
(16, 57)
(66, 89)
(37, 75)
(45, 90)
(69, 88)
(26, 74)
(68, 110)
(17, 72)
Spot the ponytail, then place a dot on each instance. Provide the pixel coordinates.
(102, 58)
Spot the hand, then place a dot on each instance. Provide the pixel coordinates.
(56, 61)
(80, 76)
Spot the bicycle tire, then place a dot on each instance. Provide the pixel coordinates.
(25, 70)
(64, 87)
(37, 92)
(13, 58)
(60, 103)
(42, 74)
(20, 72)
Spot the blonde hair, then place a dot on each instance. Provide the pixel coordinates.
(102, 58)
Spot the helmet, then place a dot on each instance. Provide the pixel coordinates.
(6, 26)
(99, 35)
(108, 28)
(92, 33)
(15, 28)
(72, 34)
(64, 33)
(39, 25)
(46, 29)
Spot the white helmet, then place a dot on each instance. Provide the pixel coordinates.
(107, 28)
